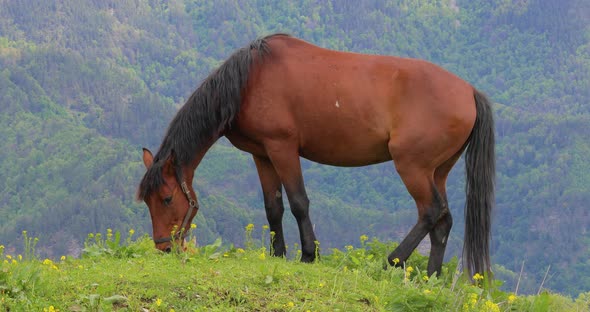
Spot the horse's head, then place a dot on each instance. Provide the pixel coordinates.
(172, 202)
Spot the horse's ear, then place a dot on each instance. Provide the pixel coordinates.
(148, 158)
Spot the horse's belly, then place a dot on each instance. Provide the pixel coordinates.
(345, 152)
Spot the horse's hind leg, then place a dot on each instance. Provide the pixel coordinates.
(440, 233)
(438, 239)
(420, 185)
(273, 203)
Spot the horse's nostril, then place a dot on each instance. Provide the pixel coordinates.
(168, 249)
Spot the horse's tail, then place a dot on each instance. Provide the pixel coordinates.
(479, 187)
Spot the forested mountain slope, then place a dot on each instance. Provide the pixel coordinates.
(85, 84)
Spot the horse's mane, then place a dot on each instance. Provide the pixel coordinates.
(211, 108)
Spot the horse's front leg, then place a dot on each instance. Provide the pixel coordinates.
(285, 159)
(273, 203)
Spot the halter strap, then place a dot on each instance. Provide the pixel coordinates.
(192, 205)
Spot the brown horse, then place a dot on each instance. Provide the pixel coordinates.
(281, 98)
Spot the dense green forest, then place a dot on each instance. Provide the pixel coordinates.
(85, 84)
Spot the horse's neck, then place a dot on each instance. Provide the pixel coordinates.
(189, 169)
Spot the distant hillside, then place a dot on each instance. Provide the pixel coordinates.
(85, 84)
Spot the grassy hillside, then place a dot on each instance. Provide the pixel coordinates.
(128, 275)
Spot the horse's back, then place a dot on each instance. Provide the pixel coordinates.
(353, 109)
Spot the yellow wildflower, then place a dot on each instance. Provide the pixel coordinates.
(262, 256)
(20, 257)
(47, 262)
(348, 247)
(477, 277)
(290, 304)
(321, 285)
(395, 261)
(14, 261)
(427, 291)
(131, 232)
(24, 233)
(408, 272)
(63, 258)
(8, 257)
(249, 227)
(265, 227)
(50, 309)
(491, 307)
(470, 303)
(193, 226)
(158, 302)
(240, 250)
(511, 298)
(473, 299)
(171, 310)
(363, 238)
(425, 278)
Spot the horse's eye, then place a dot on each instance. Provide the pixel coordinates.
(167, 200)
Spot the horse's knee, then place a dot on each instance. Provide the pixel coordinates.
(300, 207)
(274, 211)
(273, 205)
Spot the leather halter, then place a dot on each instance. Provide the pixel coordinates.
(192, 205)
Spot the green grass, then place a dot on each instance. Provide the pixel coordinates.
(131, 275)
